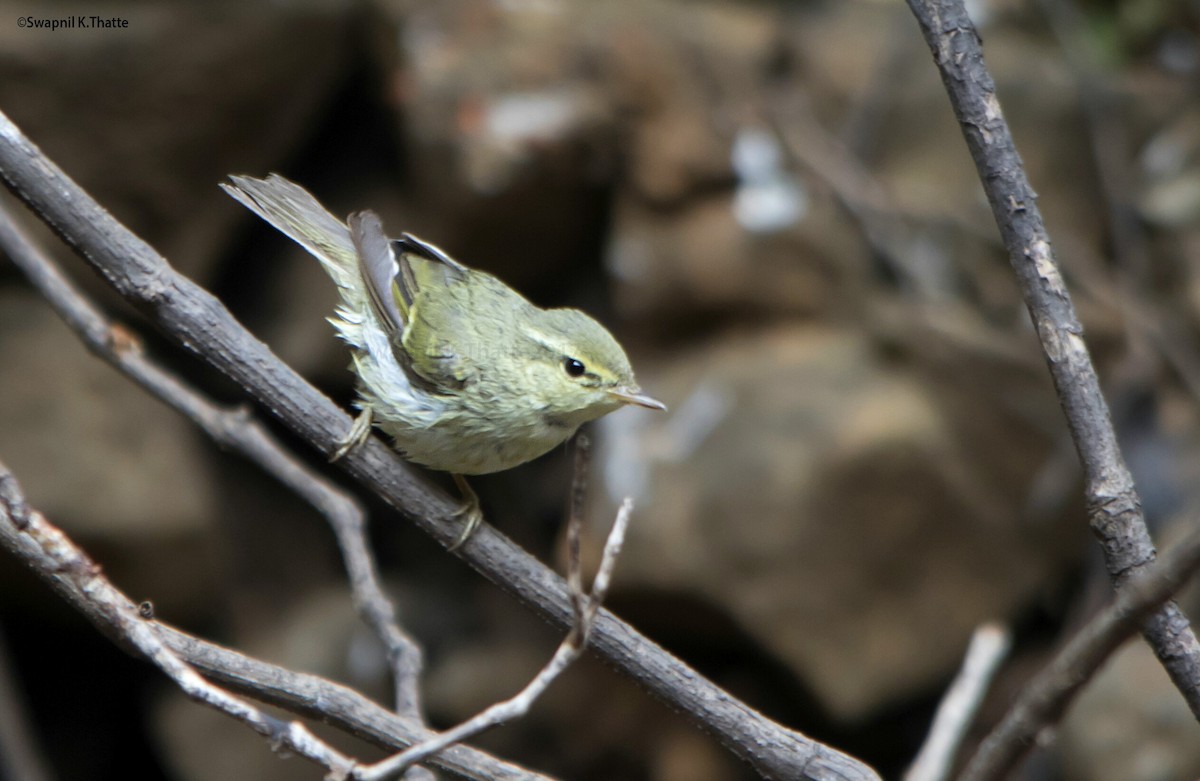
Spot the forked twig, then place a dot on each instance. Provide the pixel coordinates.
(39, 538)
(585, 606)
(237, 430)
(194, 318)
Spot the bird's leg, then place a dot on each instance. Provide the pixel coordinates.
(356, 436)
(471, 509)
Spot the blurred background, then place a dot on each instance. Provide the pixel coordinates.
(772, 207)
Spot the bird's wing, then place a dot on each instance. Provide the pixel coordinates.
(412, 288)
(379, 268)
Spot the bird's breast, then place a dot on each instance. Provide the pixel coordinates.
(476, 444)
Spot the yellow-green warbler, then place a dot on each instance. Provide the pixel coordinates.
(458, 368)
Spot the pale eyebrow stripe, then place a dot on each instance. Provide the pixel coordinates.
(544, 340)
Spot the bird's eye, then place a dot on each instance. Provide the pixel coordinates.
(573, 367)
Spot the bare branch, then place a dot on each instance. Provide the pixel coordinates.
(67, 562)
(195, 319)
(235, 429)
(1114, 506)
(337, 705)
(1043, 701)
(569, 650)
(303, 694)
(989, 645)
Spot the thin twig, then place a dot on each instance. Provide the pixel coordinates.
(235, 429)
(569, 650)
(1114, 507)
(334, 704)
(1045, 698)
(300, 693)
(70, 563)
(195, 319)
(989, 645)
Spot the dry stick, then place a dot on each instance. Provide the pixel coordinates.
(307, 695)
(337, 705)
(1114, 507)
(197, 320)
(569, 650)
(1044, 699)
(989, 645)
(121, 616)
(235, 429)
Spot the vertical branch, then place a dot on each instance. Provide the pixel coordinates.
(1114, 507)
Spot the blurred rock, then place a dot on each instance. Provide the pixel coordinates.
(509, 140)
(1130, 724)
(121, 473)
(857, 518)
(699, 261)
(290, 311)
(149, 118)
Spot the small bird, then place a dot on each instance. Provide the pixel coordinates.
(465, 374)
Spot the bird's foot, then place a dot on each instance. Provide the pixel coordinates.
(359, 431)
(471, 511)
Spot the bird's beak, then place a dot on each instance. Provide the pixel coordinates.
(635, 396)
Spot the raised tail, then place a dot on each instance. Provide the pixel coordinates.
(295, 212)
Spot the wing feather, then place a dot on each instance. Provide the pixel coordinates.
(379, 267)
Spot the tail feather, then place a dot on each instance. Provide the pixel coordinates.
(296, 213)
(383, 383)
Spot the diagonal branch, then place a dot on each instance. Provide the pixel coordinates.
(237, 430)
(989, 645)
(1114, 507)
(332, 703)
(300, 693)
(569, 650)
(194, 318)
(1044, 699)
(38, 541)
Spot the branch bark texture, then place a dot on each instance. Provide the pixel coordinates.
(235, 429)
(1045, 698)
(196, 319)
(51, 554)
(1114, 507)
(58, 561)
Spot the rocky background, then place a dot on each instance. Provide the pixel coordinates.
(771, 205)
